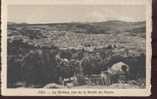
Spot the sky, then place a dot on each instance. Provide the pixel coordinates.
(74, 13)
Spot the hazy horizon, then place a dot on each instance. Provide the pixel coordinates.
(71, 22)
(41, 14)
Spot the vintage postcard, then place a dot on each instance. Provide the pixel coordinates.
(76, 48)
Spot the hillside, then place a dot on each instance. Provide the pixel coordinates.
(94, 28)
(33, 48)
(78, 35)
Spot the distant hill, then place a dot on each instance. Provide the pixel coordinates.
(95, 27)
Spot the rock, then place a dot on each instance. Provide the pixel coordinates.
(53, 85)
(70, 85)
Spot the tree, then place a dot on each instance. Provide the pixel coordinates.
(92, 63)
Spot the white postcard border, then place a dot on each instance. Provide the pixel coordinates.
(76, 92)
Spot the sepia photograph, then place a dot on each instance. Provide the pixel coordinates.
(77, 47)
